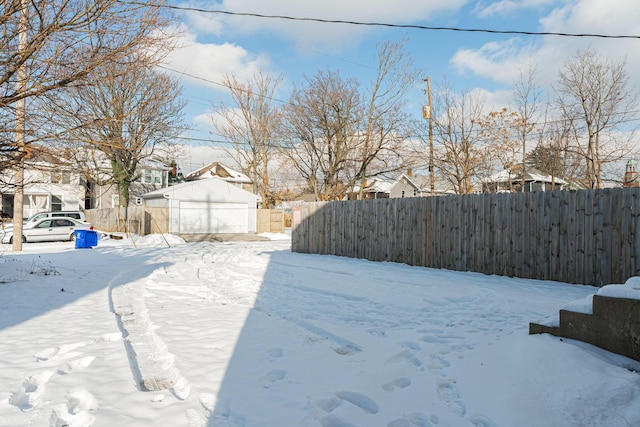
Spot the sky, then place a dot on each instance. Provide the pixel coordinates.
(213, 44)
(153, 331)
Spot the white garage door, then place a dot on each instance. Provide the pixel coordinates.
(203, 217)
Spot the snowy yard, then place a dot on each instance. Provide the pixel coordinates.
(250, 334)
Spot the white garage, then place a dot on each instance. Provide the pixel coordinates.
(206, 206)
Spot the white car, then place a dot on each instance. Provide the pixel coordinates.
(48, 230)
(78, 215)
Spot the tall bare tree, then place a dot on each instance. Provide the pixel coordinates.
(252, 125)
(321, 124)
(499, 129)
(526, 98)
(462, 154)
(594, 94)
(126, 113)
(343, 135)
(382, 144)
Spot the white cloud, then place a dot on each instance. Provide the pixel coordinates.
(504, 7)
(210, 62)
(323, 35)
(195, 157)
(499, 61)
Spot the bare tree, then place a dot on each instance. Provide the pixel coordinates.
(499, 130)
(343, 136)
(126, 113)
(382, 145)
(593, 94)
(526, 97)
(461, 152)
(555, 153)
(321, 125)
(252, 125)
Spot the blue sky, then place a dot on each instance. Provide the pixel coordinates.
(215, 44)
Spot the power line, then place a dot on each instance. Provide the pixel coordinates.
(217, 83)
(388, 25)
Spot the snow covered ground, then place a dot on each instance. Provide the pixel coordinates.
(156, 332)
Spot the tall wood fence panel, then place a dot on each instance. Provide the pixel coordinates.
(587, 236)
(269, 221)
(140, 220)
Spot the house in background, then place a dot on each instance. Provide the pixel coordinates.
(225, 173)
(51, 184)
(413, 185)
(510, 180)
(150, 175)
(206, 206)
(376, 189)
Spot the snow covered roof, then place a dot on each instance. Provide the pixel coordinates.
(510, 174)
(378, 186)
(218, 170)
(205, 190)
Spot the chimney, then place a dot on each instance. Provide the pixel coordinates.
(631, 175)
(409, 172)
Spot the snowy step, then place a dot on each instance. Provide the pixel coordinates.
(613, 326)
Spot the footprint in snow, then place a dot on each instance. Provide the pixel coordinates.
(76, 412)
(406, 356)
(75, 365)
(272, 377)
(438, 362)
(363, 402)
(28, 394)
(417, 419)
(482, 421)
(397, 383)
(274, 354)
(449, 394)
(53, 354)
(333, 421)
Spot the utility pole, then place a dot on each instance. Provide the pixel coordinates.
(427, 113)
(21, 85)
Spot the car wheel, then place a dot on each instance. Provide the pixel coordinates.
(72, 237)
(24, 239)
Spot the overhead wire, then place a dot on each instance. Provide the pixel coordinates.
(389, 25)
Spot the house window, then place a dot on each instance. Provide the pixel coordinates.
(58, 177)
(115, 201)
(56, 203)
(148, 176)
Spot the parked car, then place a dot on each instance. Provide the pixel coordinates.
(78, 215)
(47, 230)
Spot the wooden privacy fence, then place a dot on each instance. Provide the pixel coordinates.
(141, 220)
(587, 236)
(145, 220)
(269, 221)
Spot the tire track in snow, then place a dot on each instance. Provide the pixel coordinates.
(151, 363)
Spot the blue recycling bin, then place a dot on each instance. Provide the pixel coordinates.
(85, 239)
